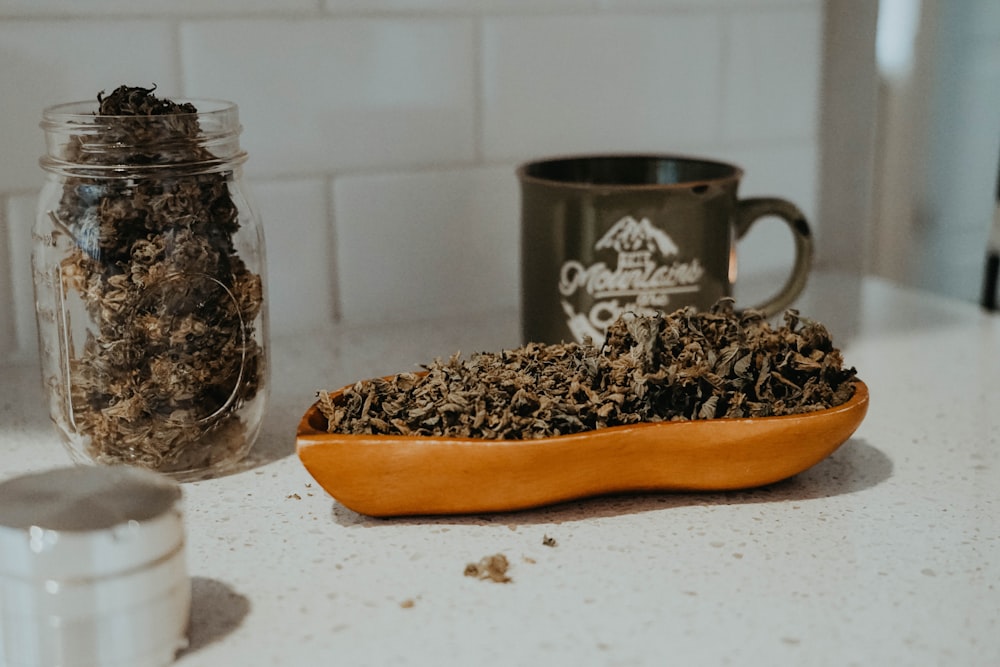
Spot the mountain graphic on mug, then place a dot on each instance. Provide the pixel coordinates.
(631, 235)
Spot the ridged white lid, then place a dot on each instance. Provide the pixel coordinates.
(87, 521)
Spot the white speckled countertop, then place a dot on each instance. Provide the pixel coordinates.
(886, 553)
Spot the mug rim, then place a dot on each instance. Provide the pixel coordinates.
(734, 173)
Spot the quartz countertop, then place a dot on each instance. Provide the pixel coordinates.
(885, 553)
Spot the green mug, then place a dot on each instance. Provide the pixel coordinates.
(603, 235)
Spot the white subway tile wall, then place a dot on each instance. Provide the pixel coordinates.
(383, 134)
(297, 236)
(441, 242)
(49, 62)
(558, 84)
(770, 88)
(328, 95)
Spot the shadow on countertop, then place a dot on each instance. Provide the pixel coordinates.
(854, 467)
(216, 611)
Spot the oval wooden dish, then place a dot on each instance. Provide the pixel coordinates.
(406, 475)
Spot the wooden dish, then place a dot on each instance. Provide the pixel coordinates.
(407, 475)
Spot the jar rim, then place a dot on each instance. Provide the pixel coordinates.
(218, 129)
(86, 110)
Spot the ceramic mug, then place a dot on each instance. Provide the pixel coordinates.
(602, 235)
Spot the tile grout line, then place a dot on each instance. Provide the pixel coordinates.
(8, 330)
(726, 30)
(178, 57)
(334, 278)
(478, 84)
(20, 274)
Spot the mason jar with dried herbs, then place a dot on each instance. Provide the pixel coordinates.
(148, 266)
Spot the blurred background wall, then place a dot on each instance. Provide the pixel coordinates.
(938, 142)
(383, 134)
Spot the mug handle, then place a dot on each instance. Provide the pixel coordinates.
(748, 211)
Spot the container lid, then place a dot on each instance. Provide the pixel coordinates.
(92, 568)
(87, 522)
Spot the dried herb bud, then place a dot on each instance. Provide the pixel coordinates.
(493, 568)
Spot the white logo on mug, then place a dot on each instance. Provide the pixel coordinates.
(647, 272)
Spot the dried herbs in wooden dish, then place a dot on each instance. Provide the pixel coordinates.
(687, 365)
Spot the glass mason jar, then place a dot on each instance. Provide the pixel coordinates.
(148, 265)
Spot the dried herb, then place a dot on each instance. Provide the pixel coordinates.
(683, 366)
(493, 568)
(171, 354)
